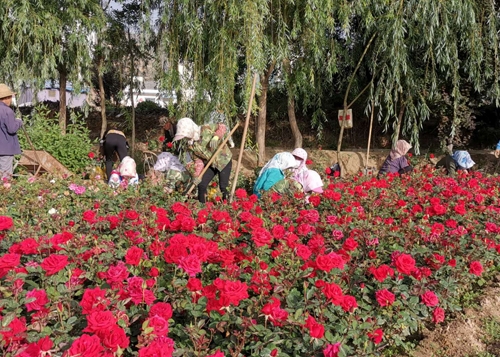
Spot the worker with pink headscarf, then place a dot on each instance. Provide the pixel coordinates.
(396, 162)
(300, 156)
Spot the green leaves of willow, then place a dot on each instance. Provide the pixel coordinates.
(423, 45)
(39, 37)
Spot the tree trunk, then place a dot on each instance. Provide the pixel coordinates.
(62, 98)
(261, 120)
(397, 130)
(297, 136)
(102, 94)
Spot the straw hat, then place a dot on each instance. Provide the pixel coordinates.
(5, 91)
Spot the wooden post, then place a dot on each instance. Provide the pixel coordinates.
(224, 142)
(243, 139)
(370, 134)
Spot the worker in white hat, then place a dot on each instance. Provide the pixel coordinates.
(9, 125)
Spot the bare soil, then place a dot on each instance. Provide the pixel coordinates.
(468, 334)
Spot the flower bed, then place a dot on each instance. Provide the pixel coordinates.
(85, 271)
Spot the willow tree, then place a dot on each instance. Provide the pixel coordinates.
(421, 46)
(221, 43)
(49, 39)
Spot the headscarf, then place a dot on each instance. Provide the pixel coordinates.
(298, 173)
(463, 159)
(167, 161)
(282, 161)
(400, 149)
(187, 128)
(312, 182)
(127, 167)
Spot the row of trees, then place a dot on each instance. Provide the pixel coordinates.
(396, 58)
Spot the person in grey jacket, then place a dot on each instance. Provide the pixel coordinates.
(9, 125)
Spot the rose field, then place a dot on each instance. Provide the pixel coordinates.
(357, 271)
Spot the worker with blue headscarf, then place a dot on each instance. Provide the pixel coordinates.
(460, 160)
(274, 172)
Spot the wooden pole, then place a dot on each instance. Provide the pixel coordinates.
(243, 139)
(213, 157)
(369, 135)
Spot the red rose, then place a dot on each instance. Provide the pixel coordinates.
(261, 237)
(154, 272)
(93, 299)
(138, 292)
(476, 268)
(233, 292)
(91, 155)
(88, 346)
(9, 261)
(429, 298)
(194, 284)
(89, 216)
(385, 297)
(332, 350)
(100, 321)
(316, 330)
(348, 303)
(350, 244)
(116, 274)
(131, 214)
(405, 263)
(54, 263)
(115, 337)
(169, 145)
(381, 273)
(6, 223)
(161, 139)
(333, 292)
(134, 255)
(163, 347)
(190, 264)
(40, 301)
(163, 309)
(16, 331)
(159, 325)
(328, 262)
(438, 315)
(376, 336)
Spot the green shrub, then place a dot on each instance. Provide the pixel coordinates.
(71, 149)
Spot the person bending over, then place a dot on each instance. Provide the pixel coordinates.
(274, 174)
(396, 162)
(113, 141)
(460, 160)
(201, 142)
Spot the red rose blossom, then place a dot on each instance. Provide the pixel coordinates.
(54, 263)
(476, 268)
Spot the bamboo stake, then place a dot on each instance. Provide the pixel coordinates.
(369, 135)
(243, 139)
(213, 157)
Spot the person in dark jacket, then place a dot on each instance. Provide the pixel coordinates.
(113, 141)
(460, 160)
(396, 162)
(9, 125)
(169, 131)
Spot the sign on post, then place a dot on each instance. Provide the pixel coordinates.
(347, 118)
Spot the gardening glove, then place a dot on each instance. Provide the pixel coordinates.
(214, 142)
(196, 181)
(497, 153)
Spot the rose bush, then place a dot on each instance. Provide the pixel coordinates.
(357, 271)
